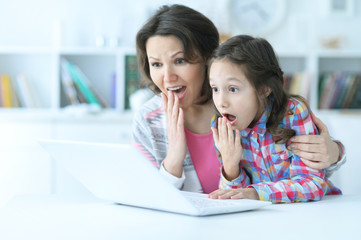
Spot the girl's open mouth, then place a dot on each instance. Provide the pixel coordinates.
(231, 118)
(179, 91)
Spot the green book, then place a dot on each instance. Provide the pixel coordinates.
(132, 77)
(81, 84)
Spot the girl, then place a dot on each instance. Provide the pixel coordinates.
(248, 93)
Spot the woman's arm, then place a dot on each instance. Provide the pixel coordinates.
(318, 151)
(152, 148)
(177, 147)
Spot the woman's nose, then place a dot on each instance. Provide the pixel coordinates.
(169, 74)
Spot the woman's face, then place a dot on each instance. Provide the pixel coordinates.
(170, 71)
(233, 95)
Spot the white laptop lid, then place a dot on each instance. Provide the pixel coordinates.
(120, 173)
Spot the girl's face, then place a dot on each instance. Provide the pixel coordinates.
(170, 71)
(233, 95)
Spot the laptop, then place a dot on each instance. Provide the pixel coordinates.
(120, 173)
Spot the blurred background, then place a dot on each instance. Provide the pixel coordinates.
(44, 42)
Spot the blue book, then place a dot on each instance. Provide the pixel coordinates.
(82, 85)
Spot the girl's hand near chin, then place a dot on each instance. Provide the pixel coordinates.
(177, 146)
(229, 145)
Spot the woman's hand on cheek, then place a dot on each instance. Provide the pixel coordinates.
(240, 193)
(229, 145)
(177, 147)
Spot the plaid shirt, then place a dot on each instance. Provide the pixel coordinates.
(274, 172)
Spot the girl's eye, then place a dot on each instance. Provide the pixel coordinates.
(156, 64)
(215, 89)
(233, 89)
(180, 60)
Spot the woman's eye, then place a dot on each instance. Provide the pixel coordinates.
(214, 89)
(180, 60)
(233, 89)
(156, 64)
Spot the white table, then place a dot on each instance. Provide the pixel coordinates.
(54, 217)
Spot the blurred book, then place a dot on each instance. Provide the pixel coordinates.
(68, 85)
(77, 87)
(339, 90)
(113, 90)
(8, 92)
(297, 83)
(26, 92)
(132, 78)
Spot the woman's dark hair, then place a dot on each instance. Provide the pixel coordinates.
(197, 33)
(258, 60)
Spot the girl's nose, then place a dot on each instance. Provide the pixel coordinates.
(223, 100)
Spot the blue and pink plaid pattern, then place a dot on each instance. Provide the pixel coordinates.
(276, 173)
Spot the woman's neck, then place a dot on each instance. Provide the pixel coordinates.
(197, 118)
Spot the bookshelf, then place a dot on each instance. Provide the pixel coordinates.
(317, 63)
(42, 67)
(35, 64)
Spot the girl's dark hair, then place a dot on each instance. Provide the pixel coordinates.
(258, 60)
(197, 33)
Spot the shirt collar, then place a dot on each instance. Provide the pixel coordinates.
(260, 127)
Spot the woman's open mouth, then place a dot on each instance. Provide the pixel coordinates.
(179, 91)
(230, 118)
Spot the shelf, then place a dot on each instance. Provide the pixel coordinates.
(95, 51)
(89, 51)
(41, 65)
(339, 53)
(339, 112)
(25, 50)
(23, 115)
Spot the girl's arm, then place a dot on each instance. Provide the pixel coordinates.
(241, 181)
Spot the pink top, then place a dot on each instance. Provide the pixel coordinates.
(204, 158)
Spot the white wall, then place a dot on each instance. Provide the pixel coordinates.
(31, 22)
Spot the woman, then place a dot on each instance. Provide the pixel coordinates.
(173, 128)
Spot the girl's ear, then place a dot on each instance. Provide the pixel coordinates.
(267, 91)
